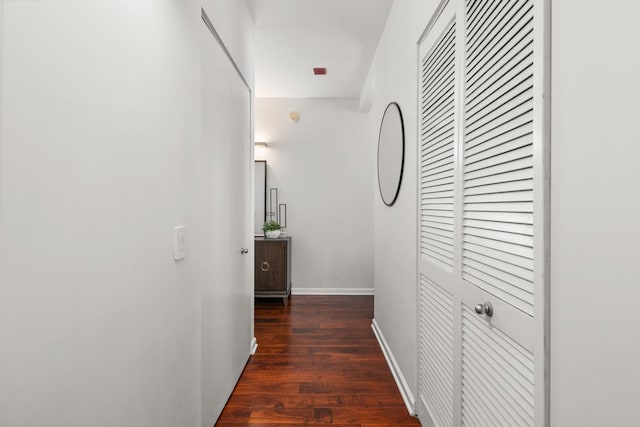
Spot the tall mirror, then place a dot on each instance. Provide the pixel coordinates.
(390, 154)
(260, 214)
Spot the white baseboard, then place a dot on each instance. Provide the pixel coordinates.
(401, 382)
(254, 346)
(332, 291)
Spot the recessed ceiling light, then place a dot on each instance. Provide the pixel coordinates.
(320, 71)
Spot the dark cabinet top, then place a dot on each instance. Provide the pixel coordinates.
(262, 238)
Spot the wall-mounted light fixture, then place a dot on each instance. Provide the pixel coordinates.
(261, 144)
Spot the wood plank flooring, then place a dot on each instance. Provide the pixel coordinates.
(318, 363)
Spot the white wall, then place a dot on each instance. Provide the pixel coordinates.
(595, 321)
(322, 166)
(394, 70)
(101, 129)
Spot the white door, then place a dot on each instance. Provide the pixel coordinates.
(482, 354)
(224, 215)
(241, 217)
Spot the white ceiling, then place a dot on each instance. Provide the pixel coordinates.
(294, 36)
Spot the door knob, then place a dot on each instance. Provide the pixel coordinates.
(485, 308)
(244, 251)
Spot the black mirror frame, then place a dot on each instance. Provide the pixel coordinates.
(397, 192)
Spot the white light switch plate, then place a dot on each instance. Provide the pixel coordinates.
(179, 243)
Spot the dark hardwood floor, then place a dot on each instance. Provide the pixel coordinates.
(317, 363)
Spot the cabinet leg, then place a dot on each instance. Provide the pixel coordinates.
(285, 301)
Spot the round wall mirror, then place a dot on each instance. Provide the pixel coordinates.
(390, 153)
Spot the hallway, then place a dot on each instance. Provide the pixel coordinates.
(317, 363)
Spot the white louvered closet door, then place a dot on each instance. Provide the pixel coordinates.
(483, 216)
(438, 141)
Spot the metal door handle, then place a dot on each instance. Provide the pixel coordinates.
(265, 266)
(244, 251)
(485, 308)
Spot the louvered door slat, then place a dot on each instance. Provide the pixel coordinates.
(434, 97)
(514, 165)
(501, 187)
(445, 170)
(490, 19)
(435, 170)
(517, 153)
(520, 173)
(503, 350)
(505, 217)
(476, 145)
(437, 95)
(514, 202)
(504, 69)
(501, 123)
(443, 241)
(435, 244)
(433, 76)
(437, 218)
(433, 59)
(490, 34)
(498, 154)
(437, 183)
(473, 411)
(513, 375)
(516, 260)
(440, 243)
(478, 15)
(517, 123)
(436, 192)
(436, 344)
(506, 63)
(436, 145)
(490, 269)
(431, 64)
(515, 297)
(438, 352)
(434, 83)
(495, 85)
(438, 225)
(511, 392)
(442, 61)
(501, 236)
(436, 150)
(473, 380)
(501, 400)
(441, 114)
(491, 207)
(496, 372)
(438, 159)
(436, 110)
(437, 252)
(507, 227)
(518, 95)
(522, 251)
(436, 138)
(501, 40)
(500, 264)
